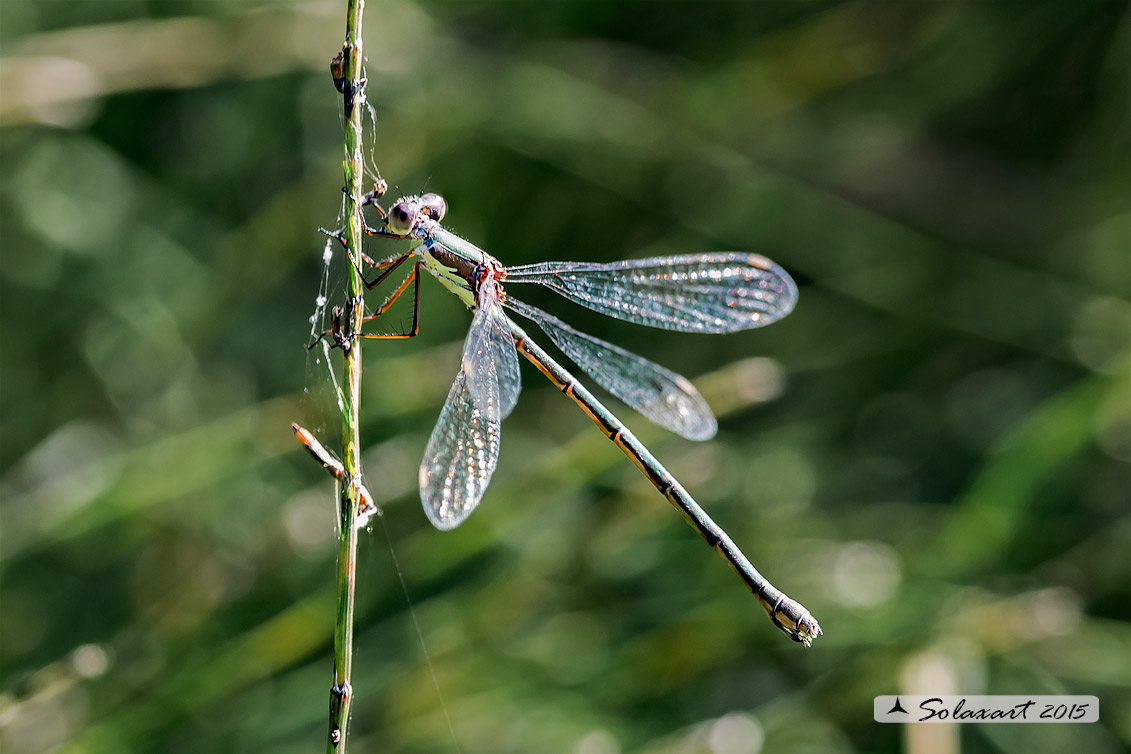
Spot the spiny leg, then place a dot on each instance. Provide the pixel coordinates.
(395, 294)
(342, 339)
(370, 200)
(374, 231)
(337, 236)
(388, 265)
(414, 278)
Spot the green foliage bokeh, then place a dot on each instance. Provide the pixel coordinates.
(931, 453)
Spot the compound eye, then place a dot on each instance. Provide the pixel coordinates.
(402, 216)
(434, 205)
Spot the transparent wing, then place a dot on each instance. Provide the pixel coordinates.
(659, 394)
(460, 457)
(702, 293)
(490, 338)
(464, 448)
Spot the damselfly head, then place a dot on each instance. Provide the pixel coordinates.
(434, 205)
(406, 213)
(403, 216)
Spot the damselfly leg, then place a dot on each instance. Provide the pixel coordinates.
(342, 338)
(414, 278)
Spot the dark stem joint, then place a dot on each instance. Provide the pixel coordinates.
(342, 692)
(338, 71)
(349, 89)
(350, 95)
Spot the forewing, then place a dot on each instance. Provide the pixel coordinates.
(703, 293)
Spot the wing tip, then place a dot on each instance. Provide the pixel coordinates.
(440, 523)
(700, 433)
(444, 517)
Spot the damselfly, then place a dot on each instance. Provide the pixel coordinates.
(702, 293)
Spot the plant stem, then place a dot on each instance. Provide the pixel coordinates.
(341, 692)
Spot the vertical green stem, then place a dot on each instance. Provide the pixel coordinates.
(341, 693)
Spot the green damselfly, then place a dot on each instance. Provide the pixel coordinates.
(702, 293)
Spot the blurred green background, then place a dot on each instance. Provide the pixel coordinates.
(931, 453)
